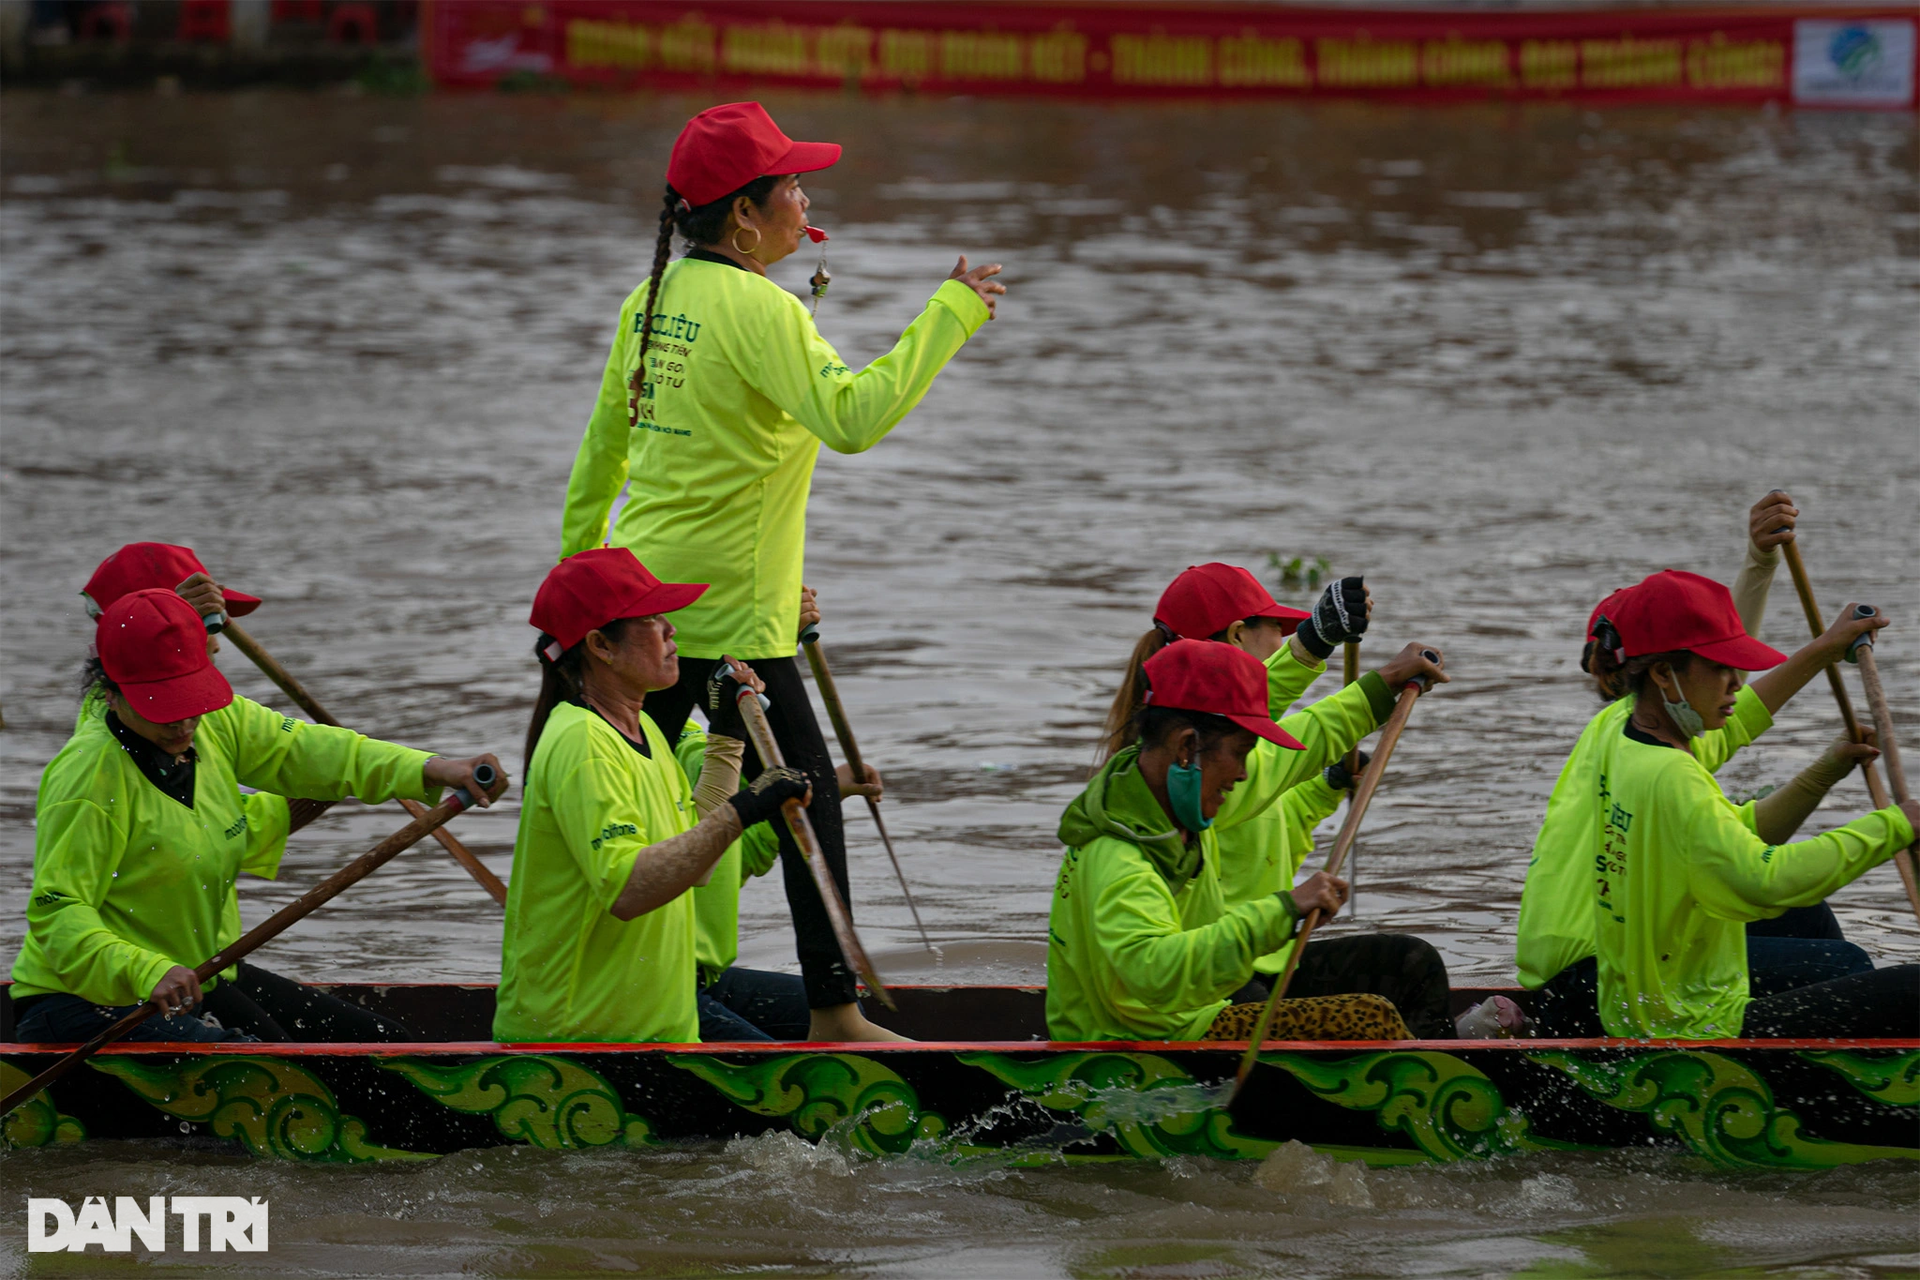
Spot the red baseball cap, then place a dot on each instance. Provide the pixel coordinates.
(595, 587)
(154, 647)
(1674, 609)
(724, 148)
(1220, 679)
(139, 566)
(1208, 598)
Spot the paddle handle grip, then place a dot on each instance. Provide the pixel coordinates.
(1865, 639)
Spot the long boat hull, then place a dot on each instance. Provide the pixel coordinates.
(990, 1086)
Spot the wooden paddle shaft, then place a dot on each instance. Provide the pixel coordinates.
(292, 687)
(1350, 671)
(1908, 867)
(768, 749)
(1883, 722)
(1362, 797)
(1803, 587)
(830, 694)
(272, 927)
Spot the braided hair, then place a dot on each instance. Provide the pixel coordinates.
(662, 250)
(700, 225)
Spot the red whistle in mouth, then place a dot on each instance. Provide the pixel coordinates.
(816, 235)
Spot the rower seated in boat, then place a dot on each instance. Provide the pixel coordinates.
(1680, 868)
(139, 566)
(1261, 844)
(1140, 945)
(599, 942)
(1554, 944)
(141, 830)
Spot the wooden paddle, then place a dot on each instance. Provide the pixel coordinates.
(270, 928)
(1862, 653)
(1350, 671)
(304, 811)
(830, 694)
(1362, 797)
(802, 828)
(1803, 586)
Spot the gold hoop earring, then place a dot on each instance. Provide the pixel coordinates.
(736, 239)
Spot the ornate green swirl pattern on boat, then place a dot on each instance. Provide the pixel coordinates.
(271, 1105)
(1147, 1104)
(1715, 1105)
(1892, 1078)
(35, 1122)
(877, 1110)
(547, 1102)
(1449, 1108)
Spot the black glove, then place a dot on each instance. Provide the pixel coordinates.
(1339, 615)
(723, 704)
(763, 798)
(1337, 776)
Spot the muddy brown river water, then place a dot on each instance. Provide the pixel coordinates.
(1500, 360)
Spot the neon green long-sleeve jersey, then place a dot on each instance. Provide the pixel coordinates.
(1140, 943)
(1556, 901)
(1681, 872)
(740, 393)
(128, 882)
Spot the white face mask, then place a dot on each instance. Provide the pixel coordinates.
(1684, 717)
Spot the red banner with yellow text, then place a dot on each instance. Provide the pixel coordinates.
(1820, 56)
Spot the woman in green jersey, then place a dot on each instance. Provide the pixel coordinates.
(600, 931)
(1679, 869)
(717, 396)
(1554, 944)
(1260, 849)
(140, 830)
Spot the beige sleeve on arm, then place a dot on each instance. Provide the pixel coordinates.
(1751, 584)
(720, 775)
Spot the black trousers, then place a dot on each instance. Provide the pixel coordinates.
(1567, 1004)
(270, 1007)
(1403, 968)
(829, 981)
(1877, 1004)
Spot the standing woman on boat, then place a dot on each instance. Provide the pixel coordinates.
(1680, 869)
(140, 829)
(717, 396)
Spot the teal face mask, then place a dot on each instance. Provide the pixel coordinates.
(1183, 789)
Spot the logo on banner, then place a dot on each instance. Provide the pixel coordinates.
(1864, 63)
(223, 1222)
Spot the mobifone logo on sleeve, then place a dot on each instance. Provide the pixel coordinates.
(217, 1223)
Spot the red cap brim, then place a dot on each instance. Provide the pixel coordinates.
(239, 603)
(807, 157)
(1742, 653)
(1290, 618)
(1269, 730)
(668, 597)
(179, 697)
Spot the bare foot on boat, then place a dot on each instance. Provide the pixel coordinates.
(846, 1022)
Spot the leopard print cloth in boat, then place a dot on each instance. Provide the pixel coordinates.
(1349, 1017)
